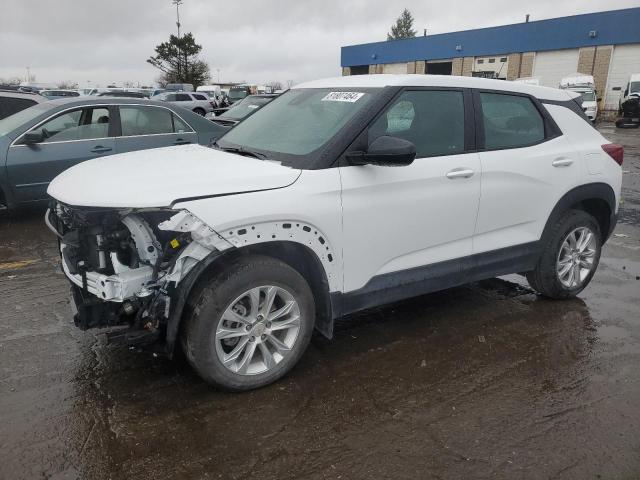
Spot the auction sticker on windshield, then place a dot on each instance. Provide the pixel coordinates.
(342, 97)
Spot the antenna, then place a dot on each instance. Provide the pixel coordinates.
(177, 3)
(526, 20)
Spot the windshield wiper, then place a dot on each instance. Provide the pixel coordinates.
(240, 151)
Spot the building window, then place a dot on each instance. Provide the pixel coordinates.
(481, 61)
(492, 60)
(503, 59)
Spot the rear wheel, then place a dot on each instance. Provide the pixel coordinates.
(199, 111)
(570, 256)
(250, 325)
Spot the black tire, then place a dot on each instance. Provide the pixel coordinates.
(199, 111)
(544, 278)
(215, 296)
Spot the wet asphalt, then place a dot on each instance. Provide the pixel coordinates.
(482, 381)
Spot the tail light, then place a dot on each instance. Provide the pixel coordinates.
(213, 105)
(614, 151)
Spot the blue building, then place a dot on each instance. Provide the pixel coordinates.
(604, 44)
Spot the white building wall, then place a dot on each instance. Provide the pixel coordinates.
(397, 68)
(625, 61)
(551, 67)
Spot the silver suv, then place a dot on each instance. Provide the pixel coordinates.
(196, 102)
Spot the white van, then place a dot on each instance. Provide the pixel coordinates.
(585, 86)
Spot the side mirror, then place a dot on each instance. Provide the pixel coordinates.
(385, 151)
(31, 138)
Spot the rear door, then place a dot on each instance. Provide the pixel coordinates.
(151, 126)
(70, 137)
(527, 165)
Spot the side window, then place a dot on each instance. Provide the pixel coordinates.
(433, 120)
(510, 121)
(81, 124)
(182, 97)
(145, 121)
(199, 97)
(179, 126)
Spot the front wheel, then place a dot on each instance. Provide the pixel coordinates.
(570, 256)
(250, 325)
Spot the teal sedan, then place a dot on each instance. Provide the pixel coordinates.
(41, 141)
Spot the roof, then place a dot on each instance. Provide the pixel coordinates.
(28, 96)
(385, 80)
(613, 27)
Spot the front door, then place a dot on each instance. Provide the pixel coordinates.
(400, 219)
(67, 139)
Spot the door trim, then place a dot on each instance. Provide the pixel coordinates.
(395, 286)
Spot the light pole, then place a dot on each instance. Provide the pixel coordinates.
(177, 3)
(218, 70)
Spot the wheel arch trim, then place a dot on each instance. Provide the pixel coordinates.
(578, 195)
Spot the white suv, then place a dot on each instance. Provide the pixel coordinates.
(340, 195)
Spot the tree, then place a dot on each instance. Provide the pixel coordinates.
(178, 61)
(67, 85)
(403, 27)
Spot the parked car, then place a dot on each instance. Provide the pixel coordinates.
(54, 94)
(585, 86)
(179, 87)
(41, 141)
(13, 101)
(339, 195)
(196, 102)
(123, 94)
(238, 92)
(240, 110)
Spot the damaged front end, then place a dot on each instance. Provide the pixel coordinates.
(126, 266)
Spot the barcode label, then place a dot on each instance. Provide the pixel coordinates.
(350, 97)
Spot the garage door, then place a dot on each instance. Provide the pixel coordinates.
(394, 68)
(550, 67)
(625, 61)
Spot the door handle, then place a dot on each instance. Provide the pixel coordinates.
(562, 162)
(180, 141)
(460, 173)
(100, 149)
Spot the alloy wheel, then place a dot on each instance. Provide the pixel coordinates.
(258, 330)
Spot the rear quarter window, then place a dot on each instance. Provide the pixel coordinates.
(510, 121)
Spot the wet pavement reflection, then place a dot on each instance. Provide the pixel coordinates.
(482, 381)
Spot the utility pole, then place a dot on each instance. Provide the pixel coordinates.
(218, 70)
(177, 3)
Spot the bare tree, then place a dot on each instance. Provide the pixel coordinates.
(275, 85)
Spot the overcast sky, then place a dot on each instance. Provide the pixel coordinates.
(248, 40)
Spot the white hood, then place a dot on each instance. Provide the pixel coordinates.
(158, 177)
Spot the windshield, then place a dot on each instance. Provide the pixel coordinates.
(9, 124)
(294, 127)
(238, 93)
(634, 87)
(588, 96)
(245, 107)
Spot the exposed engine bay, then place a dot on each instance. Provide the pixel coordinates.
(125, 265)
